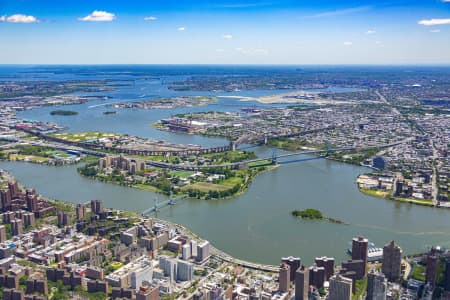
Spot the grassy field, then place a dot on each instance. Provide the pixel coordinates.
(147, 188)
(418, 273)
(231, 182)
(31, 158)
(206, 187)
(181, 174)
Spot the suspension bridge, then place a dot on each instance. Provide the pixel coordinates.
(159, 205)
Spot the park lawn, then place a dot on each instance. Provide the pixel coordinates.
(181, 174)
(147, 187)
(32, 158)
(206, 187)
(230, 156)
(418, 273)
(231, 182)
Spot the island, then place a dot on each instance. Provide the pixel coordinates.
(314, 214)
(60, 112)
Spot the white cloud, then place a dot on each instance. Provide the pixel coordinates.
(150, 18)
(371, 32)
(220, 50)
(227, 36)
(433, 22)
(348, 43)
(181, 28)
(99, 16)
(446, 1)
(252, 51)
(436, 30)
(19, 18)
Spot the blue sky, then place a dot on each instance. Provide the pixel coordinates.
(224, 32)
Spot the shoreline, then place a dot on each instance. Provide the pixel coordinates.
(387, 196)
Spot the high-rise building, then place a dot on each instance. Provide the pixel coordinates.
(96, 206)
(193, 248)
(63, 218)
(447, 275)
(356, 266)
(328, 264)
(16, 227)
(13, 188)
(284, 280)
(360, 250)
(294, 263)
(80, 211)
(6, 200)
(301, 283)
(376, 286)
(432, 266)
(148, 293)
(316, 276)
(169, 266)
(185, 271)
(32, 201)
(29, 219)
(2, 233)
(340, 288)
(203, 251)
(392, 261)
(186, 251)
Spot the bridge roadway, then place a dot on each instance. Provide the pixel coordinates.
(258, 139)
(236, 164)
(158, 206)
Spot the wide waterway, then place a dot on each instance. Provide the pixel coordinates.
(257, 225)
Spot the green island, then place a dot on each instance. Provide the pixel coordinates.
(60, 112)
(314, 214)
(205, 183)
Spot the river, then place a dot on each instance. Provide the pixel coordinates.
(256, 226)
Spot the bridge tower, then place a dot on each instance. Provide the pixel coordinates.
(233, 146)
(171, 199)
(156, 204)
(328, 147)
(274, 157)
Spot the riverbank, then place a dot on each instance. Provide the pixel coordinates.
(388, 196)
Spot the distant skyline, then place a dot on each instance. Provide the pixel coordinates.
(225, 32)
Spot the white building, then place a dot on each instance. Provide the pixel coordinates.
(185, 271)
